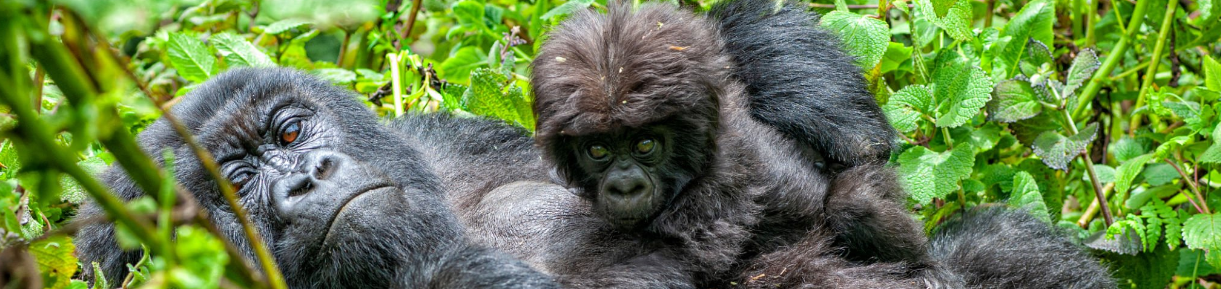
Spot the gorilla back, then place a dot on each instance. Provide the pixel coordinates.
(305, 155)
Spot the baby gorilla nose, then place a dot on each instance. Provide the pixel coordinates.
(628, 196)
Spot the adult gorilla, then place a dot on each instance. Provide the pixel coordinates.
(340, 200)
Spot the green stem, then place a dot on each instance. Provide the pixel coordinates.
(1113, 59)
(1154, 60)
(1091, 17)
(1190, 184)
(945, 133)
(1099, 195)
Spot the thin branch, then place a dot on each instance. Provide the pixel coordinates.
(1154, 60)
(1190, 184)
(1113, 59)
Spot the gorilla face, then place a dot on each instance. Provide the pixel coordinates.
(299, 152)
(628, 107)
(626, 171)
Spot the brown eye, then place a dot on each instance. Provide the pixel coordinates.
(290, 132)
(598, 152)
(645, 146)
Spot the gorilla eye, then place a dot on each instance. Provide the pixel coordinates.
(598, 152)
(240, 180)
(290, 132)
(645, 146)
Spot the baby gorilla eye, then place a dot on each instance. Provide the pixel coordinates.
(598, 152)
(290, 132)
(645, 146)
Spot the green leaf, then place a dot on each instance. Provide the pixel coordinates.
(942, 7)
(189, 56)
(488, 96)
(1203, 231)
(294, 55)
(863, 36)
(1026, 195)
(1035, 20)
(457, 68)
(1037, 54)
(1160, 174)
(960, 89)
(567, 8)
(239, 52)
(56, 260)
(1083, 68)
(1192, 264)
(284, 25)
(1057, 151)
(907, 105)
(336, 76)
(956, 22)
(1128, 171)
(1127, 148)
(928, 174)
(1013, 100)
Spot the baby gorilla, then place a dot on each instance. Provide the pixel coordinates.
(340, 200)
(639, 115)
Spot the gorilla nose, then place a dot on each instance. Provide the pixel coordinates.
(314, 173)
(628, 189)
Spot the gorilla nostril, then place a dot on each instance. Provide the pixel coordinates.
(325, 168)
(284, 190)
(628, 189)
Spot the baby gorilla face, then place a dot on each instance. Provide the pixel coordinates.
(628, 188)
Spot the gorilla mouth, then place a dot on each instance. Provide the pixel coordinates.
(388, 188)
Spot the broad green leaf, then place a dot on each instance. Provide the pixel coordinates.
(896, 58)
(960, 90)
(1026, 195)
(239, 52)
(284, 25)
(189, 56)
(457, 68)
(1128, 171)
(1057, 150)
(207, 259)
(928, 174)
(942, 7)
(1013, 100)
(956, 22)
(1035, 20)
(1192, 264)
(907, 105)
(294, 55)
(1105, 173)
(470, 13)
(488, 96)
(56, 260)
(863, 36)
(337, 76)
(1127, 148)
(1160, 174)
(1203, 231)
(1037, 55)
(1212, 74)
(567, 8)
(1083, 68)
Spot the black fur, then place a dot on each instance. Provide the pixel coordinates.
(800, 81)
(398, 233)
(1005, 248)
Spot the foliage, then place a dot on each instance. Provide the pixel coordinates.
(1046, 105)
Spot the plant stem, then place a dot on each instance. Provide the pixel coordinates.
(415, 9)
(1190, 184)
(1113, 59)
(1154, 60)
(1089, 213)
(1091, 16)
(1099, 195)
(949, 143)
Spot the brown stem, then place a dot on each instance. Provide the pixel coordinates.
(415, 9)
(1190, 184)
